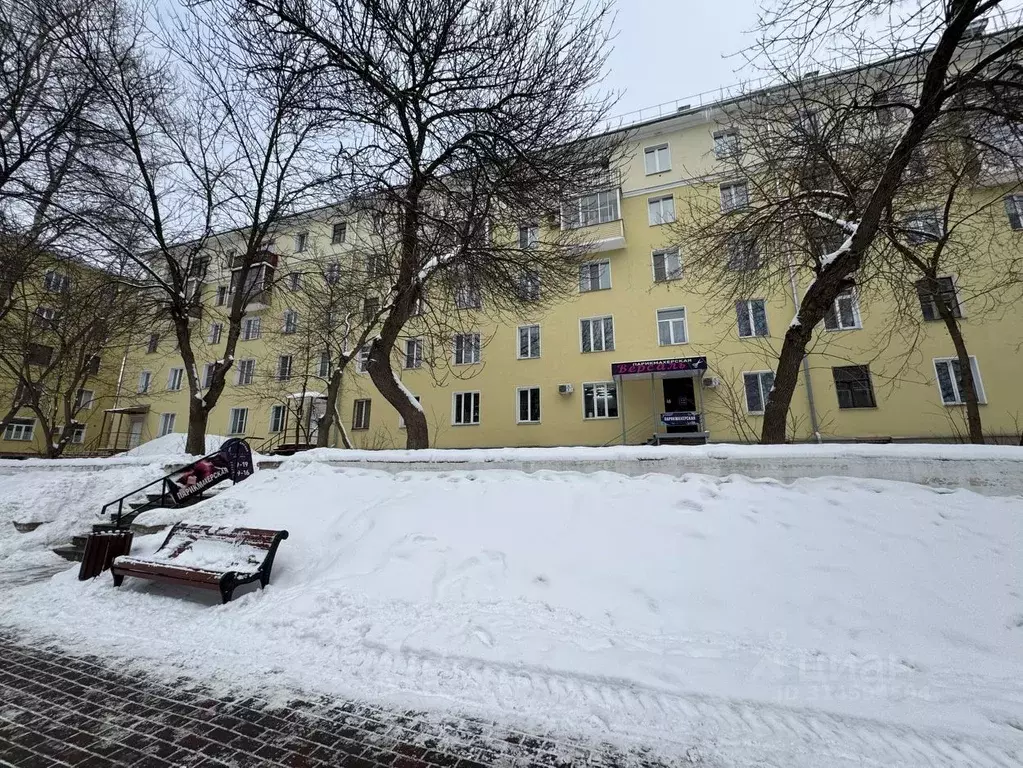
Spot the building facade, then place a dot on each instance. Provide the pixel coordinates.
(639, 353)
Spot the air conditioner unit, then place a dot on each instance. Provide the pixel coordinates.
(712, 381)
(565, 389)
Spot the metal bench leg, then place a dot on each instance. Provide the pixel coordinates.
(118, 579)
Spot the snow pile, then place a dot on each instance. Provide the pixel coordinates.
(172, 445)
(594, 601)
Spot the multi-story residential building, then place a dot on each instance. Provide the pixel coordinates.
(639, 352)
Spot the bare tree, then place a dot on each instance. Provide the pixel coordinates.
(819, 161)
(215, 139)
(466, 120)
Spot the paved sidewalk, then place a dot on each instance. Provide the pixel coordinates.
(62, 710)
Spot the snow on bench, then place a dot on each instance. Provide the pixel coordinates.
(206, 557)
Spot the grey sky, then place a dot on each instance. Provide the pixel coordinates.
(670, 49)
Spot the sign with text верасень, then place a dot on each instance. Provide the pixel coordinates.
(677, 364)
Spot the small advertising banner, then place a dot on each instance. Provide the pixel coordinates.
(233, 461)
(659, 366)
(681, 419)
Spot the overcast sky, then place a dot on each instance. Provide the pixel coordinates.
(670, 49)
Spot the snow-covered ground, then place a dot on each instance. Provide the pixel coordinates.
(745, 621)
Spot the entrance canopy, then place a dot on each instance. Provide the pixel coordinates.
(670, 368)
(134, 409)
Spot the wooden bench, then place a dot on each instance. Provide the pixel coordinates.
(206, 557)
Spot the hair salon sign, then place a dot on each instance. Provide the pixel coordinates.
(659, 366)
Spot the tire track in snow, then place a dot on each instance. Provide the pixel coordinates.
(772, 734)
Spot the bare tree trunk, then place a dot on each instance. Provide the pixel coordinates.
(330, 416)
(198, 417)
(380, 371)
(786, 376)
(969, 392)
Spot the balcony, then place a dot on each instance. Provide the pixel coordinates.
(608, 236)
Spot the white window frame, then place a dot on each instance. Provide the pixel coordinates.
(44, 316)
(660, 218)
(175, 376)
(280, 367)
(657, 159)
(301, 241)
(56, 282)
(760, 385)
(531, 239)
(324, 364)
(166, 424)
(457, 408)
(20, 430)
(277, 414)
(921, 236)
(251, 328)
(362, 358)
(664, 254)
(77, 433)
(415, 346)
(518, 414)
(246, 372)
(591, 321)
(723, 149)
(221, 297)
(605, 399)
(669, 323)
(475, 346)
(216, 331)
(145, 382)
(605, 270)
(207, 375)
(83, 403)
(338, 227)
(728, 202)
(362, 408)
(752, 321)
(606, 204)
(855, 307)
(978, 383)
(289, 322)
(234, 416)
(529, 342)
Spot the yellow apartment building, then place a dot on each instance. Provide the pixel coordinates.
(637, 355)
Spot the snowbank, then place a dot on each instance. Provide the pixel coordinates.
(594, 601)
(173, 444)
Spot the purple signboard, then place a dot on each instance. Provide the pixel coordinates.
(659, 366)
(680, 419)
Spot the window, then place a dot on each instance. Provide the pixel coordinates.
(598, 334)
(290, 324)
(734, 196)
(145, 379)
(667, 265)
(375, 265)
(413, 353)
(55, 282)
(529, 405)
(660, 210)
(928, 301)
(215, 330)
(600, 401)
(237, 421)
(595, 276)
(401, 419)
(20, 429)
(301, 241)
(742, 252)
(844, 314)
(362, 359)
(657, 159)
(418, 307)
(671, 326)
(221, 295)
(466, 407)
(529, 342)
(950, 380)
(529, 236)
(284, 367)
(1014, 210)
(166, 424)
(44, 317)
(250, 329)
(467, 348)
(726, 143)
(467, 294)
(853, 387)
(752, 317)
(585, 211)
(174, 378)
(246, 372)
(153, 344)
(922, 227)
(38, 354)
(92, 367)
(757, 385)
(324, 368)
(77, 433)
(338, 233)
(207, 375)
(529, 286)
(277, 418)
(295, 281)
(332, 273)
(360, 414)
(84, 399)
